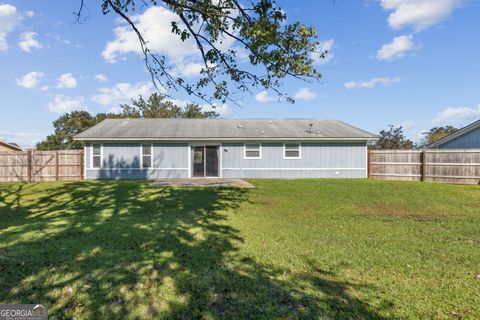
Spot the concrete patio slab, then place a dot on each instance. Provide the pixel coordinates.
(201, 182)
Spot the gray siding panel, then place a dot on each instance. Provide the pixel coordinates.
(122, 161)
(318, 160)
(170, 155)
(293, 174)
(93, 174)
(469, 140)
(170, 160)
(121, 155)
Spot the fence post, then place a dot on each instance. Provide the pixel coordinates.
(369, 163)
(29, 166)
(57, 166)
(423, 169)
(82, 165)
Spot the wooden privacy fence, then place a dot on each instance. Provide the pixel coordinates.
(60, 165)
(449, 166)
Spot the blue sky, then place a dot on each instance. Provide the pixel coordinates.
(403, 62)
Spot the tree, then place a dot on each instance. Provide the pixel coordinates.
(393, 138)
(71, 124)
(193, 110)
(275, 49)
(437, 133)
(67, 126)
(157, 106)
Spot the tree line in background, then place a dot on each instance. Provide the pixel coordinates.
(394, 138)
(157, 106)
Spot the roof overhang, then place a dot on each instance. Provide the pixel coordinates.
(11, 146)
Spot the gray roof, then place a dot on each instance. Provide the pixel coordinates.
(223, 129)
(456, 134)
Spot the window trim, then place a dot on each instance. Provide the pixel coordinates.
(299, 151)
(101, 156)
(141, 156)
(252, 158)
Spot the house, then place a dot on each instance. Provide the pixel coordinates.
(232, 148)
(466, 138)
(9, 147)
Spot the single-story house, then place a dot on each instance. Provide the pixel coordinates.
(226, 148)
(9, 147)
(466, 138)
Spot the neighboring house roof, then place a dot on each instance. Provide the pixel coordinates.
(223, 129)
(456, 134)
(11, 145)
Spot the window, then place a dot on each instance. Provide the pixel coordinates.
(146, 155)
(253, 151)
(291, 151)
(96, 155)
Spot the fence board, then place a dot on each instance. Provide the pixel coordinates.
(36, 166)
(448, 166)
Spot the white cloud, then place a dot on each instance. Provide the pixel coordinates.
(62, 40)
(397, 48)
(9, 20)
(407, 125)
(457, 115)
(188, 69)
(420, 14)
(324, 46)
(101, 77)
(372, 83)
(30, 80)
(28, 42)
(305, 94)
(66, 80)
(155, 26)
(242, 54)
(61, 104)
(24, 139)
(263, 97)
(222, 110)
(122, 93)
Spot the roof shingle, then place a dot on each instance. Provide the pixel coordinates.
(222, 129)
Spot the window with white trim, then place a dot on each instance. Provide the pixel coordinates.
(253, 151)
(291, 150)
(96, 155)
(146, 155)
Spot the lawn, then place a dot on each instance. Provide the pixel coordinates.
(323, 249)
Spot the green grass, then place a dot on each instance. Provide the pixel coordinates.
(323, 249)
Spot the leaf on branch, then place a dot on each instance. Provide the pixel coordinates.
(220, 29)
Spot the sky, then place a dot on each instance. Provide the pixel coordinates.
(413, 63)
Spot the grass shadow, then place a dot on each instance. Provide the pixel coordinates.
(104, 249)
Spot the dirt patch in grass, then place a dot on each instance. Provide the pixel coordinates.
(395, 210)
(267, 202)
